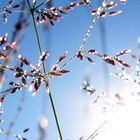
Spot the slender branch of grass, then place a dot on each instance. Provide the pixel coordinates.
(88, 33)
(96, 132)
(83, 43)
(40, 50)
(21, 11)
(37, 37)
(45, 1)
(18, 11)
(81, 46)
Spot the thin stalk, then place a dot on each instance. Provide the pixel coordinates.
(37, 37)
(17, 11)
(96, 132)
(55, 115)
(40, 50)
(88, 33)
(45, 1)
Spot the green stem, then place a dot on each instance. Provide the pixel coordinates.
(40, 50)
(37, 37)
(55, 115)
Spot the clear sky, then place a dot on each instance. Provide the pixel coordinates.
(75, 117)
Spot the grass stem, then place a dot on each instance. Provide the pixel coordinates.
(44, 69)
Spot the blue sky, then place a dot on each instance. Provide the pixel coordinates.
(122, 32)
